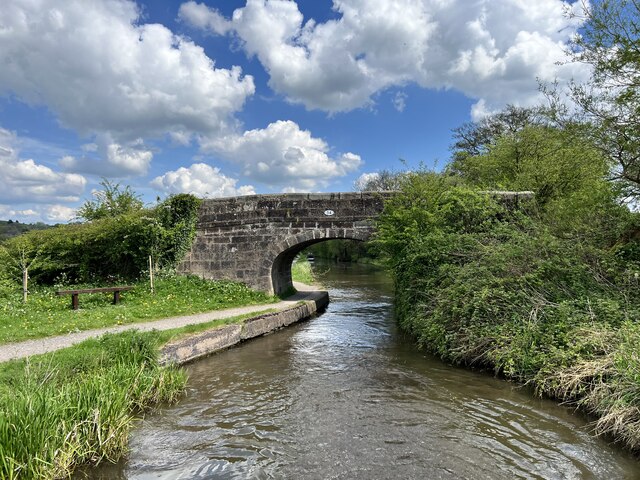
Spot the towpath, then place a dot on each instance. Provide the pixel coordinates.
(27, 348)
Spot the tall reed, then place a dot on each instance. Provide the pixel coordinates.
(53, 419)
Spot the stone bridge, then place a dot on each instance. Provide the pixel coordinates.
(254, 239)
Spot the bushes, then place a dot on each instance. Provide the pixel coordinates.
(480, 285)
(177, 216)
(548, 295)
(114, 246)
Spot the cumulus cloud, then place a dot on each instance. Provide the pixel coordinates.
(119, 82)
(27, 181)
(202, 180)
(491, 51)
(114, 160)
(59, 213)
(361, 183)
(102, 71)
(201, 16)
(283, 155)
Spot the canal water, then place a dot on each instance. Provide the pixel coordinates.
(347, 396)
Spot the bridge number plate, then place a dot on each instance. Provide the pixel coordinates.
(329, 213)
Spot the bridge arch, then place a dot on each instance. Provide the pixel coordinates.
(290, 247)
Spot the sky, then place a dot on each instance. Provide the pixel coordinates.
(227, 97)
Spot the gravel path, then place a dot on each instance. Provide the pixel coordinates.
(11, 351)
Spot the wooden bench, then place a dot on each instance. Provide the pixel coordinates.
(74, 293)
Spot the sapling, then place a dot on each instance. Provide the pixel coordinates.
(22, 258)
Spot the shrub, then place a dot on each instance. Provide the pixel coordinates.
(480, 285)
(113, 247)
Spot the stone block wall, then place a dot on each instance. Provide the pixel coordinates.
(254, 239)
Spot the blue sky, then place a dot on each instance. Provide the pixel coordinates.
(230, 97)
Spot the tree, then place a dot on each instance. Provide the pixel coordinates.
(475, 138)
(382, 181)
(610, 44)
(18, 259)
(551, 161)
(110, 201)
(559, 161)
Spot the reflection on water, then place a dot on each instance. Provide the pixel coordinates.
(346, 396)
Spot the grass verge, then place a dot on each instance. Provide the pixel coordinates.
(166, 336)
(47, 314)
(77, 405)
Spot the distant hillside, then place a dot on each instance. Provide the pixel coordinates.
(10, 228)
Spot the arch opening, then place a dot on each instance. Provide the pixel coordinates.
(281, 278)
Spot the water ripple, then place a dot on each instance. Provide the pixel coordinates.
(345, 396)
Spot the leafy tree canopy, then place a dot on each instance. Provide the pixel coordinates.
(610, 43)
(562, 165)
(111, 201)
(475, 138)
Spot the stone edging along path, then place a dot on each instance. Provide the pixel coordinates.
(202, 344)
(302, 305)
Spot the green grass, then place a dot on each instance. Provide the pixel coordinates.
(301, 271)
(77, 405)
(47, 314)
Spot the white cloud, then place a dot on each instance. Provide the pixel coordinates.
(201, 16)
(479, 110)
(283, 155)
(40, 213)
(26, 213)
(492, 51)
(102, 71)
(400, 101)
(202, 180)
(118, 82)
(27, 181)
(115, 160)
(363, 180)
(59, 213)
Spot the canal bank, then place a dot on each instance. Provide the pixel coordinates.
(75, 406)
(14, 351)
(193, 347)
(347, 395)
